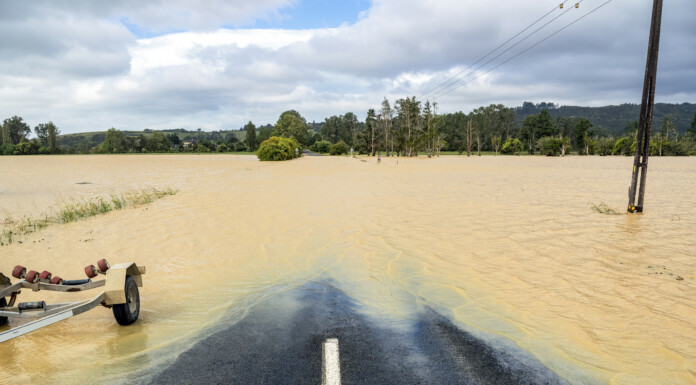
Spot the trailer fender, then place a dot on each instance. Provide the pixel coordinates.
(4, 282)
(116, 282)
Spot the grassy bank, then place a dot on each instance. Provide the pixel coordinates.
(71, 212)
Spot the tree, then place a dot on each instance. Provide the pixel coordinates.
(291, 125)
(545, 124)
(692, 130)
(537, 126)
(496, 142)
(114, 142)
(387, 117)
(564, 144)
(15, 130)
(506, 119)
(277, 149)
(339, 148)
(264, 133)
(409, 116)
(469, 136)
(41, 132)
(25, 148)
(623, 146)
(582, 135)
(329, 130)
(529, 132)
(250, 135)
(482, 123)
(512, 146)
(51, 132)
(321, 146)
(158, 142)
(669, 132)
(351, 125)
(174, 138)
(605, 146)
(431, 137)
(631, 129)
(373, 130)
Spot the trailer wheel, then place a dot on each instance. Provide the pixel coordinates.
(127, 313)
(3, 303)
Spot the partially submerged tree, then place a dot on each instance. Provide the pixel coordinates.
(496, 142)
(387, 117)
(15, 130)
(250, 136)
(372, 130)
(291, 125)
(410, 122)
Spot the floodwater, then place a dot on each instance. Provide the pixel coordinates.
(507, 247)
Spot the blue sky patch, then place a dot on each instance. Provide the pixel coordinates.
(311, 14)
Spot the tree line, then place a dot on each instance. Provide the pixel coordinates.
(13, 138)
(409, 127)
(405, 127)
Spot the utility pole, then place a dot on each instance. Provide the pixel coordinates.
(640, 161)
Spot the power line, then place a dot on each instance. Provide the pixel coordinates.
(497, 48)
(441, 92)
(527, 49)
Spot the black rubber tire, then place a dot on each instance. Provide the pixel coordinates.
(3, 303)
(128, 312)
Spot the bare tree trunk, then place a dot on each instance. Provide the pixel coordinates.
(372, 141)
(469, 138)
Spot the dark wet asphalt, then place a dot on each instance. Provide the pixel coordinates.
(311, 153)
(279, 342)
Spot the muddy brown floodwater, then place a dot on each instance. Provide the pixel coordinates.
(504, 246)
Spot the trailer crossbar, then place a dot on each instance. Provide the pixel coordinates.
(49, 317)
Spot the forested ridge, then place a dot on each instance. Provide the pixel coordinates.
(613, 119)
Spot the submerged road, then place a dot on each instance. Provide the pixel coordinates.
(280, 342)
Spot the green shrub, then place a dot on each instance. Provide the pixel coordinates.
(623, 146)
(322, 146)
(276, 149)
(605, 146)
(549, 146)
(339, 148)
(24, 148)
(511, 146)
(7, 149)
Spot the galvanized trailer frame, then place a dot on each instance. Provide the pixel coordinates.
(114, 293)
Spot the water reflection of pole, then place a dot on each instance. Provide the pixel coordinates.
(640, 161)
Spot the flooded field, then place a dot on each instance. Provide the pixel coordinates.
(504, 246)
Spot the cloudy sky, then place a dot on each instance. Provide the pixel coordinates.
(90, 65)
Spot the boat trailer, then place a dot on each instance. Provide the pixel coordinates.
(120, 294)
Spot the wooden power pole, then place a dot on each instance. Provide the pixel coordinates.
(640, 161)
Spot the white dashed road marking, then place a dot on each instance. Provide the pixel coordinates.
(331, 367)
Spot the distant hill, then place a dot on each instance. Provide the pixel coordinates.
(614, 118)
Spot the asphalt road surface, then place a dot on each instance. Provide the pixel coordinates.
(280, 342)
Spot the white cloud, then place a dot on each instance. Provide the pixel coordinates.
(83, 69)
